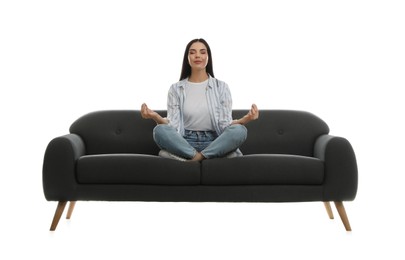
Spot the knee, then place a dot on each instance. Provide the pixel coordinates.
(160, 128)
(238, 131)
(160, 131)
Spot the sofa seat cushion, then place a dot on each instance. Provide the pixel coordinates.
(136, 169)
(263, 169)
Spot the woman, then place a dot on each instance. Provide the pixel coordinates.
(199, 122)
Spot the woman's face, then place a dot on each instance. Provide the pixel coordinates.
(198, 56)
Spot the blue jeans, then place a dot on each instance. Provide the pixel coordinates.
(207, 142)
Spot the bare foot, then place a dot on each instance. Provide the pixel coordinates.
(198, 157)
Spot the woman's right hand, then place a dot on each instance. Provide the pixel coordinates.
(150, 114)
(147, 113)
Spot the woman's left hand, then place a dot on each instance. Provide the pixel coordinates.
(253, 114)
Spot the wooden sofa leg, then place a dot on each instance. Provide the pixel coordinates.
(70, 209)
(328, 209)
(58, 214)
(342, 213)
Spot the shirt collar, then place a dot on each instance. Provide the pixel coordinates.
(211, 83)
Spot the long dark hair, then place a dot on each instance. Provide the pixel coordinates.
(186, 68)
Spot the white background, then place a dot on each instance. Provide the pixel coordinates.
(341, 60)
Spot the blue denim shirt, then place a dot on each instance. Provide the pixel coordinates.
(219, 104)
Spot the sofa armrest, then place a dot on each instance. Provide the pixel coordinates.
(341, 176)
(58, 173)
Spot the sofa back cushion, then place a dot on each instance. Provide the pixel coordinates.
(282, 132)
(125, 131)
(116, 131)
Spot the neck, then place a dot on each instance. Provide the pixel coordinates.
(198, 76)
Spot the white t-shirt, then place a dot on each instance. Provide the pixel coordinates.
(196, 113)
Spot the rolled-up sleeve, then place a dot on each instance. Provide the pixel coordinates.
(173, 108)
(220, 104)
(225, 115)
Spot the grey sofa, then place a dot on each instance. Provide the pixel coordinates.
(289, 156)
